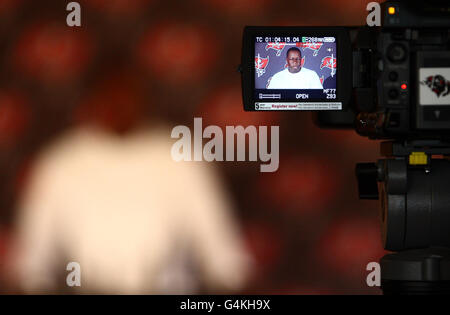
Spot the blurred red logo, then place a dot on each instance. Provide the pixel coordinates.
(329, 62)
(438, 84)
(315, 47)
(260, 65)
(278, 47)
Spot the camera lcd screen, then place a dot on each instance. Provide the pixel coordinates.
(295, 72)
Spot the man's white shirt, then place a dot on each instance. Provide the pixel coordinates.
(304, 79)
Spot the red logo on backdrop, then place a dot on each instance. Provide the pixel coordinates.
(315, 47)
(278, 47)
(321, 79)
(260, 65)
(329, 62)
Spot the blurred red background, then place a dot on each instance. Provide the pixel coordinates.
(304, 224)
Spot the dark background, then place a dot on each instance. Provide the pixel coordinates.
(175, 60)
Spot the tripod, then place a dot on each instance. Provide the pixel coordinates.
(413, 185)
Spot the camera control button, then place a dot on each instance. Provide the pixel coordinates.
(393, 76)
(393, 94)
(396, 53)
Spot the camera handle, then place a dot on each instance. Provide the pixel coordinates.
(413, 186)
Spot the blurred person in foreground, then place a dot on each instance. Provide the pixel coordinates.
(135, 220)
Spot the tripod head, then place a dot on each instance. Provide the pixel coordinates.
(413, 185)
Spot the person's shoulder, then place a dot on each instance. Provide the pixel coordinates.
(280, 74)
(309, 71)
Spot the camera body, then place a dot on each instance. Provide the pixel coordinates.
(387, 82)
(390, 82)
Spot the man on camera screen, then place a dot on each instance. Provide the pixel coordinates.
(295, 76)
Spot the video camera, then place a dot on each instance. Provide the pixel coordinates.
(390, 82)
